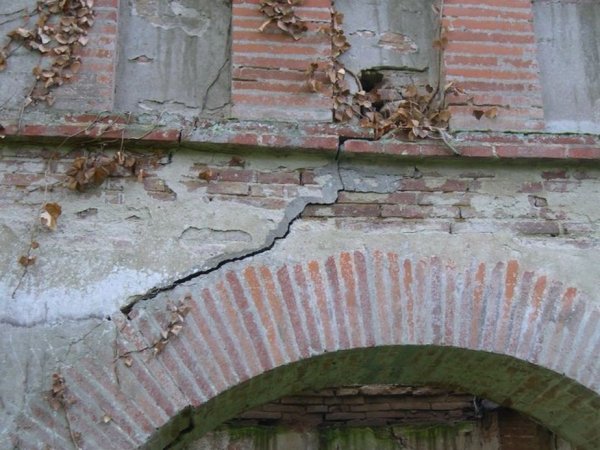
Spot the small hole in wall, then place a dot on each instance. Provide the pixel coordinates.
(369, 78)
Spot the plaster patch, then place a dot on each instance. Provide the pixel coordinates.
(398, 42)
(88, 299)
(211, 236)
(168, 15)
(174, 57)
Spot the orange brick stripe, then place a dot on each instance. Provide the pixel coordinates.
(490, 40)
(250, 319)
(261, 62)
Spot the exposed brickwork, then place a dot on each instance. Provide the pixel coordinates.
(24, 172)
(94, 85)
(363, 406)
(518, 433)
(478, 200)
(250, 320)
(234, 326)
(491, 53)
(269, 80)
(314, 138)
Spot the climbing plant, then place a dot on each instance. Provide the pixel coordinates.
(420, 112)
(282, 14)
(417, 112)
(58, 34)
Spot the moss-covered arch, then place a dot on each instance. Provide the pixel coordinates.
(562, 405)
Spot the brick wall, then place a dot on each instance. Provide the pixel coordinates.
(486, 263)
(99, 59)
(491, 53)
(393, 405)
(364, 406)
(269, 80)
(91, 89)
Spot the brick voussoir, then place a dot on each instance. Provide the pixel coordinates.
(498, 307)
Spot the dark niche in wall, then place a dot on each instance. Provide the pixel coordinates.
(392, 40)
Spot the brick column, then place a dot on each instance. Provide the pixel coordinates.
(94, 87)
(269, 80)
(491, 53)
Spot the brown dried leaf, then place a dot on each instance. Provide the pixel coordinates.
(159, 346)
(491, 113)
(478, 113)
(410, 91)
(441, 43)
(50, 214)
(27, 261)
(237, 161)
(206, 175)
(176, 329)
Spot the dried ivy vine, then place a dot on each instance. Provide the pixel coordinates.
(417, 112)
(177, 314)
(59, 33)
(59, 400)
(282, 13)
(87, 171)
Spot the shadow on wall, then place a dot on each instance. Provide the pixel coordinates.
(560, 404)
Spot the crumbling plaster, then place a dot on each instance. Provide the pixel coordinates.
(141, 252)
(392, 36)
(175, 56)
(116, 243)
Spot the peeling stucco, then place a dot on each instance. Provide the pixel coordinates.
(174, 56)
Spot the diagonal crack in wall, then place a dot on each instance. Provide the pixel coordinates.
(293, 212)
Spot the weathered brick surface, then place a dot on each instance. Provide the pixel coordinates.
(268, 68)
(490, 53)
(176, 377)
(249, 319)
(366, 406)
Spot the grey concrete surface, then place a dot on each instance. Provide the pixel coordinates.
(174, 56)
(390, 34)
(568, 39)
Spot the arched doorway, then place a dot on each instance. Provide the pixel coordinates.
(254, 333)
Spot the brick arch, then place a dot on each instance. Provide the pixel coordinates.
(256, 332)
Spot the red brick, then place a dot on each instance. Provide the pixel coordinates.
(227, 187)
(538, 228)
(307, 305)
(318, 286)
(592, 152)
(406, 212)
(355, 210)
(293, 309)
(21, 179)
(342, 327)
(278, 177)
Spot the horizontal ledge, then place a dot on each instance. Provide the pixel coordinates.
(318, 137)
